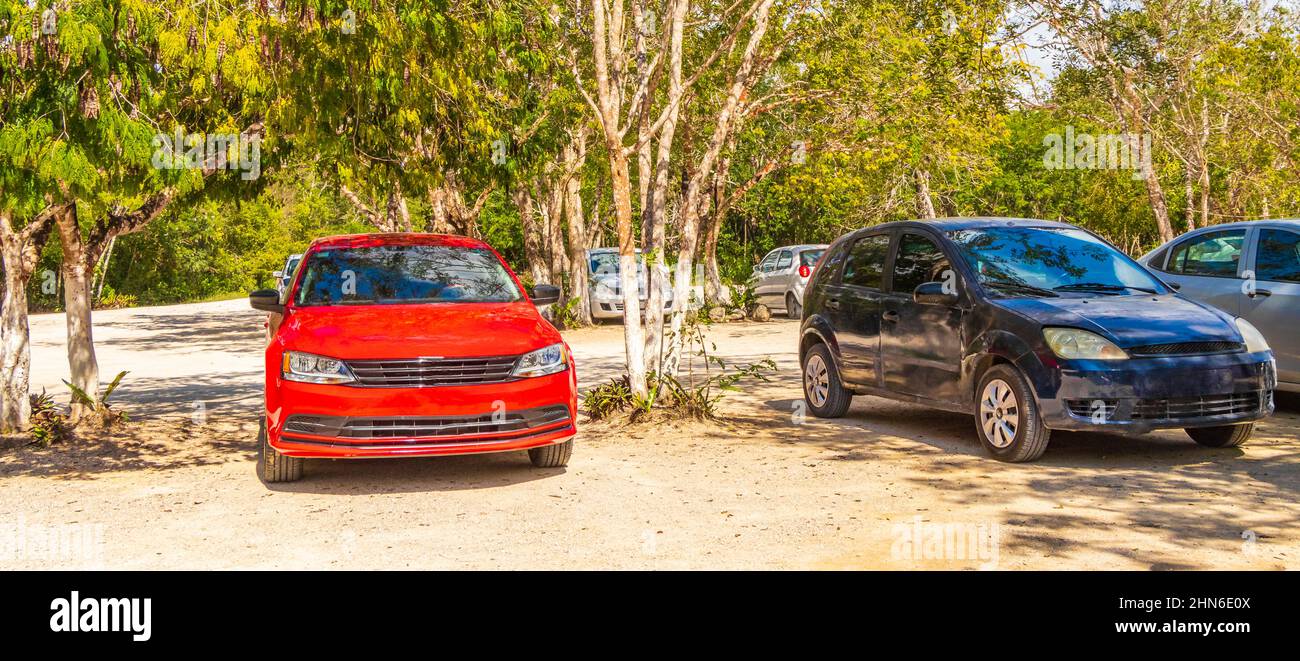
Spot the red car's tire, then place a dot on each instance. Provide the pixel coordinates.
(273, 466)
(552, 456)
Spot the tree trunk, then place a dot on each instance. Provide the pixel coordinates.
(713, 290)
(633, 337)
(439, 211)
(20, 252)
(533, 249)
(924, 203)
(16, 361)
(577, 229)
(728, 121)
(78, 269)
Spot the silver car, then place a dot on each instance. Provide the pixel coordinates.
(780, 278)
(606, 294)
(1250, 270)
(284, 276)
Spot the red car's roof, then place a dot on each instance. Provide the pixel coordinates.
(397, 239)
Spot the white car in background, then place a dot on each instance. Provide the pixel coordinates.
(284, 276)
(606, 293)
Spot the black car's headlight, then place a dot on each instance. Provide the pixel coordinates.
(547, 360)
(310, 368)
(1078, 344)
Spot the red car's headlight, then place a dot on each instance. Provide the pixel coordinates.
(547, 360)
(310, 368)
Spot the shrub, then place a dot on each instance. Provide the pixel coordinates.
(703, 377)
(607, 399)
(48, 424)
(106, 414)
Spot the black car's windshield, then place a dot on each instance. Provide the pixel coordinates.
(1049, 261)
(404, 274)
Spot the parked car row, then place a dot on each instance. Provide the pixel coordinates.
(403, 345)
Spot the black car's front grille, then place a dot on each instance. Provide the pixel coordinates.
(423, 372)
(1187, 349)
(1184, 409)
(1187, 408)
(1088, 408)
(425, 427)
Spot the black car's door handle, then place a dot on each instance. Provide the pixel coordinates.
(833, 303)
(1260, 292)
(890, 316)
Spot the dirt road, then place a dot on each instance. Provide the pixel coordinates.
(176, 489)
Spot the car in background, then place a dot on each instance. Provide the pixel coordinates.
(411, 345)
(606, 292)
(1248, 269)
(1031, 326)
(779, 278)
(283, 276)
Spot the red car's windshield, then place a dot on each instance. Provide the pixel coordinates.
(376, 275)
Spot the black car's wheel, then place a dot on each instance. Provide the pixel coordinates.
(792, 308)
(552, 456)
(273, 466)
(1226, 436)
(1007, 418)
(823, 391)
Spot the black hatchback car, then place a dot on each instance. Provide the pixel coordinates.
(1030, 326)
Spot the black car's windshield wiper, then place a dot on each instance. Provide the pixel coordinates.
(1019, 287)
(1101, 286)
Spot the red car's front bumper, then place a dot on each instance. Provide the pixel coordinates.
(343, 421)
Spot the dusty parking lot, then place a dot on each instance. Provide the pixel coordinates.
(176, 488)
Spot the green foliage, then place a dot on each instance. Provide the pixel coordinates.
(704, 377)
(607, 399)
(104, 413)
(48, 424)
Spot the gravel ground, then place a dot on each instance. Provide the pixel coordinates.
(176, 487)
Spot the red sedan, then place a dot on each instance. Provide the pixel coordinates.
(411, 345)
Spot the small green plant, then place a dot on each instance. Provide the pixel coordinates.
(607, 399)
(103, 411)
(695, 394)
(48, 424)
(566, 313)
(742, 299)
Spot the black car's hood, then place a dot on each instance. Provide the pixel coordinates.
(1131, 320)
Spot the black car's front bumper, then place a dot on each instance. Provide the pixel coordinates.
(1142, 394)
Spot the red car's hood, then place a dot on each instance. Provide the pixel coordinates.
(424, 330)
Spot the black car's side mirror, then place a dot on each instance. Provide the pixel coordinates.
(544, 294)
(933, 293)
(266, 300)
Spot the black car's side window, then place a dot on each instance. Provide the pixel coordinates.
(1215, 255)
(866, 263)
(1279, 256)
(918, 261)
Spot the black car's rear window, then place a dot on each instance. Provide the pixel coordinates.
(376, 275)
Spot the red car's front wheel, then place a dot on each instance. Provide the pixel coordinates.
(552, 456)
(273, 466)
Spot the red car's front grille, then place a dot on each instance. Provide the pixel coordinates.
(424, 372)
(426, 427)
